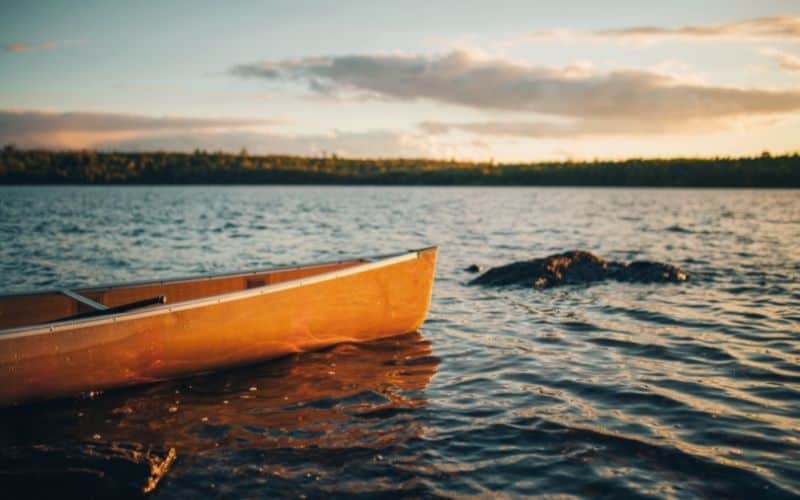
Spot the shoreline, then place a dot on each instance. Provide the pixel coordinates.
(42, 167)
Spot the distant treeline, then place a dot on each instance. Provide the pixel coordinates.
(19, 166)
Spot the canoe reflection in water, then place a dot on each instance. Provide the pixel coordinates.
(350, 397)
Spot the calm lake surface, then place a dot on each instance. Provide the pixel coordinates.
(689, 390)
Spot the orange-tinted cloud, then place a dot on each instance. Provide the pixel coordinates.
(87, 129)
(762, 28)
(19, 47)
(362, 144)
(787, 61)
(576, 128)
(124, 132)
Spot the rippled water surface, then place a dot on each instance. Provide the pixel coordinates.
(610, 390)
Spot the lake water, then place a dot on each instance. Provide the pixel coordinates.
(606, 390)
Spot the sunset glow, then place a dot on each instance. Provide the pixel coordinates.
(517, 82)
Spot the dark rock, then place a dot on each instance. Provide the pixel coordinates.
(577, 267)
(474, 268)
(649, 272)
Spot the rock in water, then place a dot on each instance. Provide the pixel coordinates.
(576, 267)
(650, 272)
(474, 268)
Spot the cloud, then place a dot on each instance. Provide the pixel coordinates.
(463, 78)
(85, 129)
(19, 47)
(584, 127)
(787, 61)
(762, 28)
(124, 132)
(367, 144)
(42, 121)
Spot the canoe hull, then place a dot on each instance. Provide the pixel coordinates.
(356, 304)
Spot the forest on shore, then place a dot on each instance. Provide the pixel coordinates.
(21, 166)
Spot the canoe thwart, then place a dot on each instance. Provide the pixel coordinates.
(160, 299)
(83, 300)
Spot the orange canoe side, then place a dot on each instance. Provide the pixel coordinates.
(347, 306)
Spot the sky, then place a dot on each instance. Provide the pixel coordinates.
(506, 81)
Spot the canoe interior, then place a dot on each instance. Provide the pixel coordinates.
(45, 307)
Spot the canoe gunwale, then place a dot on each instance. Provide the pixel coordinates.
(208, 277)
(366, 264)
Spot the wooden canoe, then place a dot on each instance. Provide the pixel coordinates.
(208, 323)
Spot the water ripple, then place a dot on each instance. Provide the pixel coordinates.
(614, 390)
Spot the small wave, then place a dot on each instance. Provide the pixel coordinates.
(678, 229)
